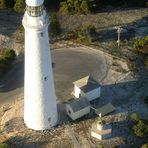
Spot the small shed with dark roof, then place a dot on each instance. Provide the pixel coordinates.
(77, 108)
(87, 87)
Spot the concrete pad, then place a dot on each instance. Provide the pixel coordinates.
(71, 64)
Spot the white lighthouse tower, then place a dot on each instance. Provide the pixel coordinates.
(40, 108)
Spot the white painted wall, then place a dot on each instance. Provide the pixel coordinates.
(100, 136)
(34, 2)
(96, 135)
(40, 109)
(93, 94)
(77, 115)
(77, 91)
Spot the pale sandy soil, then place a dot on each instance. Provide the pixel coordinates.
(119, 87)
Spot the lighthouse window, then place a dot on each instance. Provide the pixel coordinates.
(34, 11)
(41, 34)
(45, 78)
(49, 119)
(69, 111)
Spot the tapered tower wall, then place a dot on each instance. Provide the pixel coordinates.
(40, 109)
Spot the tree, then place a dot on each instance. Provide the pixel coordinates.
(6, 59)
(77, 6)
(141, 128)
(19, 6)
(145, 145)
(54, 27)
(141, 45)
(2, 3)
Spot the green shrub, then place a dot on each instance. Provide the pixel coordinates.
(101, 146)
(83, 34)
(71, 35)
(19, 6)
(91, 29)
(86, 33)
(6, 58)
(10, 55)
(141, 45)
(54, 27)
(2, 3)
(141, 128)
(4, 145)
(77, 6)
(135, 117)
(145, 145)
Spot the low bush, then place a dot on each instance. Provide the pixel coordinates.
(6, 59)
(141, 45)
(135, 117)
(4, 145)
(77, 6)
(141, 128)
(85, 34)
(101, 146)
(2, 3)
(145, 145)
(19, 6)
(54, 26)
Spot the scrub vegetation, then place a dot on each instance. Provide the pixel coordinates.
(77, 6)
(74, 6)
(141, 45)
(54, 26)
(85, 34)
(6, 58)
(140, 127)
(90, 22)
(4, 145)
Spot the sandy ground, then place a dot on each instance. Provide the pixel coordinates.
(69, 64)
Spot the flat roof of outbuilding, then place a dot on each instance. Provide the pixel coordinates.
(106, 109)
(87, 84)
(78, 104)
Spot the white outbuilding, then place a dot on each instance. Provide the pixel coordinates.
(87, 87)
(77, 108)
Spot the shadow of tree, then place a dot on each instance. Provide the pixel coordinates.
(136, 29)
(9, 22)
(24, 142)
(14, 78)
